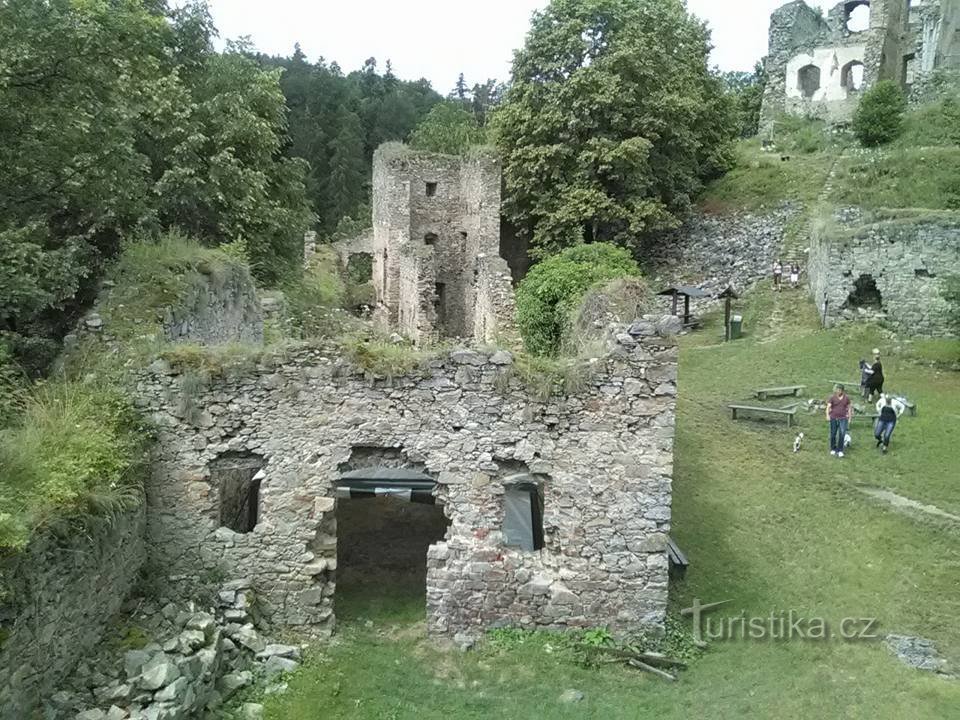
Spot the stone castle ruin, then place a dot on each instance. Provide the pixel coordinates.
(819, 66)
(437, 270)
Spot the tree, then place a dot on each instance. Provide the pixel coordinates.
(746, 90)
(879, 116)
(551, 290)
(449, 129)
(612, 121)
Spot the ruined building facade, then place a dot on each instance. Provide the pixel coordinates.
(437, 271)
(819, 66)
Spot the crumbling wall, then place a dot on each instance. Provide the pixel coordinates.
(222, 308)
(907, 260)
(811, 58)
(59, 595)
(607, 451)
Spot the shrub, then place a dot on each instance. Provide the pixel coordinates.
(12, 387)
(879, 117)
(553, 288)
(77, 451)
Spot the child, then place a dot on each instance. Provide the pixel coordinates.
(794, 276)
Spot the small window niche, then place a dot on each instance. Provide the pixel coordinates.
(237, 480)
(523, 516)
(431, 189)
(430, 239)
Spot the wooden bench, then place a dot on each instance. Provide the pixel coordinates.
(776, 392)
(678, 560)
(775, 413)
(846, 384)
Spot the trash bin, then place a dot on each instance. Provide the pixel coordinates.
(736, 327)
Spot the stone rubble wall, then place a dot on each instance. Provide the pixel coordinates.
(495, 307)
(218, 310)
(909, 259)
(61, 595)
(607, 451)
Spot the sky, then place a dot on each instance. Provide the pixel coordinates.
(438, 39)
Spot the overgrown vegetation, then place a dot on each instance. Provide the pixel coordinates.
(382, 357)
(879, 116)
(448, 128)
(549, 294)
(77, 450)
(612, 122)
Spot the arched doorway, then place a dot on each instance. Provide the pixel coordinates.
(851, 76)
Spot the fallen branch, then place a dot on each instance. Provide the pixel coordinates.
(651, 658)
(651, 669)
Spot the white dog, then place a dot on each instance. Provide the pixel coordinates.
(797, 442)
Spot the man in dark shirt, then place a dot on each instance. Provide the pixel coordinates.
(874, 374)
(839, 412)
(885, 424)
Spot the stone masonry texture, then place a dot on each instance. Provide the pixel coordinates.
(61, 594)
(603, 459)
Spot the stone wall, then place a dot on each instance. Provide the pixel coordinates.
(605, 457)
(223, 307)
(907, 260)
(61, 594)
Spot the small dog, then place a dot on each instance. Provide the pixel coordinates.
(847, 441)
(797, 442)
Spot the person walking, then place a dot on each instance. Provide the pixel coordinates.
(777, 275)
(886, 423)
(794, 276)
(874, 379)
(839, 412)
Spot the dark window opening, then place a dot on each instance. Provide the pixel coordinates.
(523, 516)
(923, 273)
(431, 189)
(865, 294)
(383, 278)
(440, 303)
(237, 479)
(808, 80)
(909, 71)
(430, 239)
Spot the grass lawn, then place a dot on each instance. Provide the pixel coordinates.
(764, 528)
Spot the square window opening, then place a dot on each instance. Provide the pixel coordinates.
(431, 189)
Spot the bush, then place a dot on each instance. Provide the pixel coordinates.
(77, 451)
(879, 117)
(552, 290)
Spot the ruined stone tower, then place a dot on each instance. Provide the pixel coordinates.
(436, 265)
(819, 66)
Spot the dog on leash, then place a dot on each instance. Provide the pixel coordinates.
(798, 442)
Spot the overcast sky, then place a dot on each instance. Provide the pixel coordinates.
(437, 39)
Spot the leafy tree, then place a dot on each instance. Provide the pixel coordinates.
(552, 289)
(746, 90)
(879, 117)
(118, 120)
(612, 121)
(347, 170)
(447, 128)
